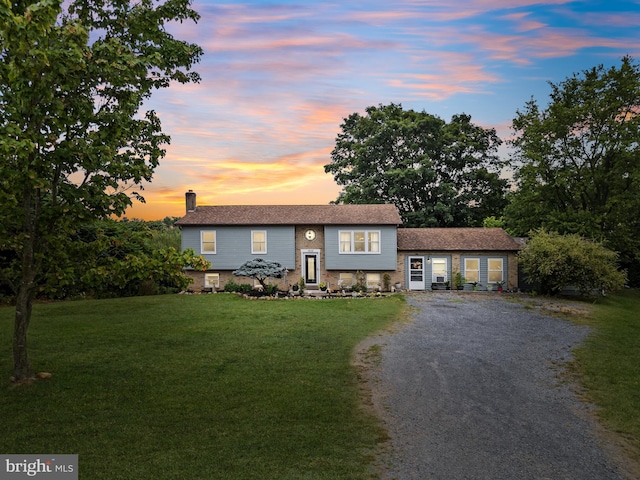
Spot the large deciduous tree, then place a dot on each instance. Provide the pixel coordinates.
(577, 161)
(74, 137)
(438, 174)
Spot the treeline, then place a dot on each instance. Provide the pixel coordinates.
(573, 168)
(107, 258)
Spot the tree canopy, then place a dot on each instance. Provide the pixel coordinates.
(261, 270)
(75, 141)
(438, 174)
(577, 161)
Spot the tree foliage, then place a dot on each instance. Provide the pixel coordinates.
(74, 139)
(261, 270)
(114, 259)
(436, 173)
(557, 261)
(577, 162)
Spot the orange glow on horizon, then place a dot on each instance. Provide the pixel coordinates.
(172, 203)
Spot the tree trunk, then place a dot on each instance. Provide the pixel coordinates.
(24, 303)
(26, 290)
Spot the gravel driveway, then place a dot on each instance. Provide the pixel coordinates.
(470, 389)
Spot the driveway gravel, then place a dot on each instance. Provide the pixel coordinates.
(471, 388)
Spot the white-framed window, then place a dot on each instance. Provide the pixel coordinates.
(359, 241)
(472, 269)
(496, 270)
(439, 270)
(345, 242)
(208, 241)
(374, 242)
(345, 280)
(258, 241)
(373, 280)
(212, 280)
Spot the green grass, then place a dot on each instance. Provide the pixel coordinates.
(197, 387)
(609, 364)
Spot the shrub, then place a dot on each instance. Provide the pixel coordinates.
(360, 284)
(386, 281)
(260, 270)
(233, 287)
(558, 261)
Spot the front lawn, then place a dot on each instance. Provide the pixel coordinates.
(196, 387)
(608, 364)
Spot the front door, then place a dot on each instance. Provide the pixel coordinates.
(416, 273)
(311, 266)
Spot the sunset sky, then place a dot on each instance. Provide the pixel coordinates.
(279, 77)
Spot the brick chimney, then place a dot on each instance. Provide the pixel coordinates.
(190, 198)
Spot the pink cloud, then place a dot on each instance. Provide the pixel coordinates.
(231, 15)
(522, 24)
(240, 41)
(447, 11)
(449, 73)
(614, 20)
(379, 18)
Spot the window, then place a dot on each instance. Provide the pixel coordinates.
(495, 270)
(472, 269)
(360, 241)
(258, 241)
(208, 241)
(345, 280)
(345, 242)
(212, 280)
(373, 280)
(374, 242)
(439, 270)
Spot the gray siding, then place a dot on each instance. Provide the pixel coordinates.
(233, 245)
(428, 269)
(385, 260)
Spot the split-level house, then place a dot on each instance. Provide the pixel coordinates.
(330, 244)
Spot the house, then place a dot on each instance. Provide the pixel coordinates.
(331, 243)
(319, 243)
(433, 256)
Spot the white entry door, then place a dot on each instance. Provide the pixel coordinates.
(416, 273)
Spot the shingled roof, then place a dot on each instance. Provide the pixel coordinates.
(378, 214)
(445, 239)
